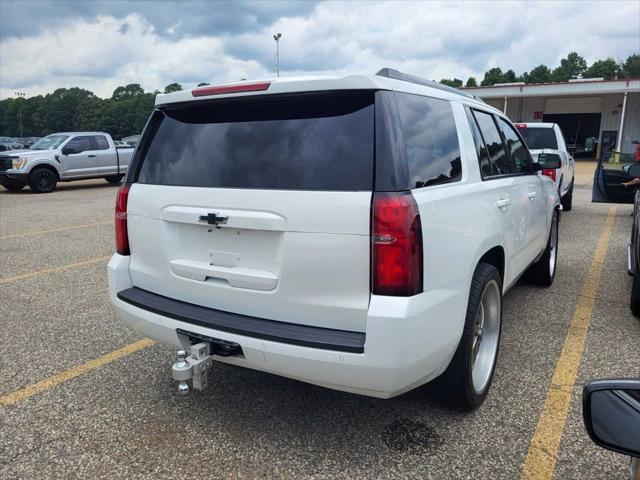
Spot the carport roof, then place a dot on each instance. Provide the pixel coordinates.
(579, 87)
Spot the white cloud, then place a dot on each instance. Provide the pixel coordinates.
(435, 40)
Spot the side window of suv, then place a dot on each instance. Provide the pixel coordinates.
(486, 167)
(80, 144)
(493, 141)
(431, 140)
(101, 142)
(520, 160)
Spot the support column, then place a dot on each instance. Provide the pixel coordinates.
(504, 110)
(624, 112)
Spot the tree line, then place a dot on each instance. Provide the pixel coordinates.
(76, 109)
(573, 66)
(125, 113)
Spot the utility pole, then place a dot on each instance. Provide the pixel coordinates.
(277, 37)
(20, 95)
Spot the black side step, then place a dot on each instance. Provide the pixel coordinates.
(291, 333)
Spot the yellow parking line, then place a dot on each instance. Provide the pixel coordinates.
(51, 382)
(46, 271)
(51, 230)
(541, 458)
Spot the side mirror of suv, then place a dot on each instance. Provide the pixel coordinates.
(611, 413)
(548, 161)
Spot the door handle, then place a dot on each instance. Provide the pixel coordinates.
(532, 195)
(91, 156)
(503, 203)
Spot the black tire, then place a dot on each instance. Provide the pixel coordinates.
(458, 378)
(114, 178)
(634, 303)
(543, 272)
(42, 180)
(14, 187)
(567, 200)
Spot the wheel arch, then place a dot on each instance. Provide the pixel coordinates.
(48, 166)
(494, 256)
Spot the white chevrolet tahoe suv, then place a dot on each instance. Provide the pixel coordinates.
(356, 233)
(547, 139)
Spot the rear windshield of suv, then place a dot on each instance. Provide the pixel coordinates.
(322, 141)
(538, 138)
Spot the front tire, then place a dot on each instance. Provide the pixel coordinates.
(543, 272)
(469, 375)
(567, 200)
(42, 180)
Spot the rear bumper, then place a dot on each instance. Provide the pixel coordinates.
(409, 341)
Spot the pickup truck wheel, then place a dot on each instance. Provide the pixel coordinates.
(468, 377)
(567, 200)
(114, 178)
(543, 272)
(42, 180)
(634, 303)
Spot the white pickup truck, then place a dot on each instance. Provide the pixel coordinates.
(63, 157)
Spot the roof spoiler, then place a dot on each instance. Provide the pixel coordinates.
(405, 77)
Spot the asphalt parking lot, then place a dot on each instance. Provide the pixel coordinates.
(72, 408)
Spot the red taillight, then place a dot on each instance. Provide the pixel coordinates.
(550, 172)
(122, 237)
(246, 87)
(396, 250)
(520, 125)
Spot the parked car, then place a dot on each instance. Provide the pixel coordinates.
(608, 187)
(356, 233)
(611, 413)
(28, 141)
(8, 143)
(547, 139)
(64, 157)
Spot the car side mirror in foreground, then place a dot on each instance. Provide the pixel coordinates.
(634, 170)
(611, 412)
(548, 161)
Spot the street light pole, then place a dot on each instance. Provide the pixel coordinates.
(21, 95)
(277, 37)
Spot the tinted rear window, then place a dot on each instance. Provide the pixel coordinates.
(301, 142)
(539, 138)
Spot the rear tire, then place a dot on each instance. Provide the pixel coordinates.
(469, 375)
(634, 303)
(42, 180)
(114, 178)
(543, 272)
(567, 200)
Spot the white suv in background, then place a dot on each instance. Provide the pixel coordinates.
(547, 139)
(356, 233)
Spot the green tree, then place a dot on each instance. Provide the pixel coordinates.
(509, 77)
(172, 87)
(539, 74)
(471, 82)
(127, 91)
(631, 66)
(456, 82)
(571, 67)
(607, 69)
(492, 76)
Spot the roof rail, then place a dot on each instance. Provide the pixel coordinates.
(405, 77)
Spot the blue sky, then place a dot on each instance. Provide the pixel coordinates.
(100, 45)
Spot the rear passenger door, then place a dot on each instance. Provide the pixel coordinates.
(107, 160)
(520, 164)
(505, 190)
(79, 157)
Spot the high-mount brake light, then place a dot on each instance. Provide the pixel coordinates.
(122, 236)
(219, 90)
(396, 245)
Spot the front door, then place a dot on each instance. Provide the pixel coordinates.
(612, 172)
(78, 157)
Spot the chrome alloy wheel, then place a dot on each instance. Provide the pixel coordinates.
(486, 333)
(553, 246)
